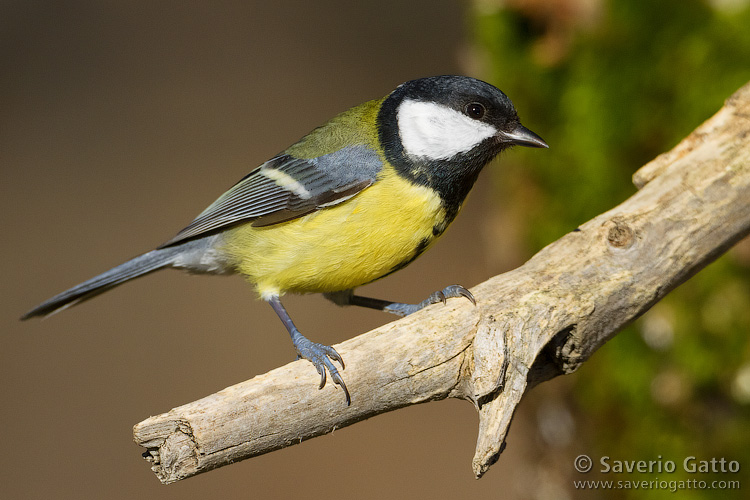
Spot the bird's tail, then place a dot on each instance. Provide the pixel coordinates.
(143, 264)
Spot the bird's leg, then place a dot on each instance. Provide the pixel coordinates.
(347, 298)
(317, 354)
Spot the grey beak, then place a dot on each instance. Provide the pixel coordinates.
(522, 136)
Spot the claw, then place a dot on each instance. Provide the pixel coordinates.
(451, 292)
(322, 372)
(336, 357)
(346, 393)
(459, 291)
(340, 382)
(331, 352)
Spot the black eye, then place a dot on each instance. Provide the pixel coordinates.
(475, 110)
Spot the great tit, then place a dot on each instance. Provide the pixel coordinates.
(352, 201)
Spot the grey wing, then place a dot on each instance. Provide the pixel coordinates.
(285, 188)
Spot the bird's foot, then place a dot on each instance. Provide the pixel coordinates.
(449, 292)
(321, 356)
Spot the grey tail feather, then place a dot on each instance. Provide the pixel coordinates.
(143, 264)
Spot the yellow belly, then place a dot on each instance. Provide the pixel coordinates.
(341, 247)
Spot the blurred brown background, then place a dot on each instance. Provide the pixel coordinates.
(120, 122)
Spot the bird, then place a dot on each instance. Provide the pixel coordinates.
(355, 200)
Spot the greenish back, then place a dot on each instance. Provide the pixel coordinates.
(357, 125)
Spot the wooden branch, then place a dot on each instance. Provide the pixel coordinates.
(531, 324)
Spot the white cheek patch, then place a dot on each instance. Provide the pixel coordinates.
(437, 132)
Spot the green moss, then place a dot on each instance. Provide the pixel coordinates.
(608, 96)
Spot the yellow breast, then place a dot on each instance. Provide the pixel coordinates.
(343, 246)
